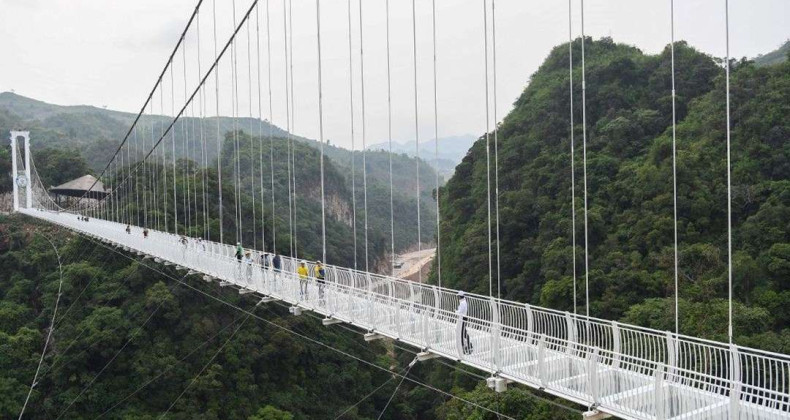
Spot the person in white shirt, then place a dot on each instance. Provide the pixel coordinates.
(463, 309)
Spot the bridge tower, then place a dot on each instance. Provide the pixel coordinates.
(21, 179)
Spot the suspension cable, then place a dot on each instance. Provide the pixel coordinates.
(384, 410)
(364, 135)
(584, 157)
(51, 328)
(389, 139)
(496, 149)
(271, 123)
(321, 127)
(251, 138)
(573, 154)
(252, 141)
(173, 142)
(203, 155)
(214, 65)
(436, 152)
(185, 155)
(674, 160)
(729, 175)
(168, 368)
(117, 353)
(164, 157)
(308, 338)
(237, 165)
(220, 139)
(488, 150)
(293, 120)
(148, 99)
(205, 366)
(353, 148)
(260, 126)
(288, 128)
(416, 128)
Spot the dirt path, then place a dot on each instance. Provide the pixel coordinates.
(413, 262)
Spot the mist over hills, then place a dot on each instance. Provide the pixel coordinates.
(452, 150)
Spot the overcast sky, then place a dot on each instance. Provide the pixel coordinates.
(109, 52)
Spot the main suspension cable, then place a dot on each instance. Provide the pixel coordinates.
(145, 104)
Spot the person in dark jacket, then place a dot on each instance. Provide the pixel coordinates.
(277, 266)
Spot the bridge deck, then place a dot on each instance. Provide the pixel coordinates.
(624, 370)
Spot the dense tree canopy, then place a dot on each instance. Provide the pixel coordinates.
(629, 181)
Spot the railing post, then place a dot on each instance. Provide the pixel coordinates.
(369, 320)
(437, 303)
(530, 323)
(29, 184)
(592, 375)
(735, 382)
(398, 317)
(616, 345)
(671, 353)
(458, 338)
(496, 334)
(542, 361)
(658, 394)
(572, 333)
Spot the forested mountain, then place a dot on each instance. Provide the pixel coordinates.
(629, 178)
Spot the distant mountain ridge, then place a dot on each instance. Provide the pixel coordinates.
(776, 56)
(452, 150)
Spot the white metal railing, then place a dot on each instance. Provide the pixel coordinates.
(626, 370)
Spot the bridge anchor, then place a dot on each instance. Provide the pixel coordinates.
(595, 415)
(372, 336)
(266, 299)
(295, 310)
(244, 291)
(426, 355)
(330, 321)
(497, 384)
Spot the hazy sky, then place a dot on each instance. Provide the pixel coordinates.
(108, 52)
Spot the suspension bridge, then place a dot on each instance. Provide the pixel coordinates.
(613, 368)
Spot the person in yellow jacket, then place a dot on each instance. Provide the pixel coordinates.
(303, 273)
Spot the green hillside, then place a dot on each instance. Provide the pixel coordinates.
(629, 175)
(776, 56)
(94, 133)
